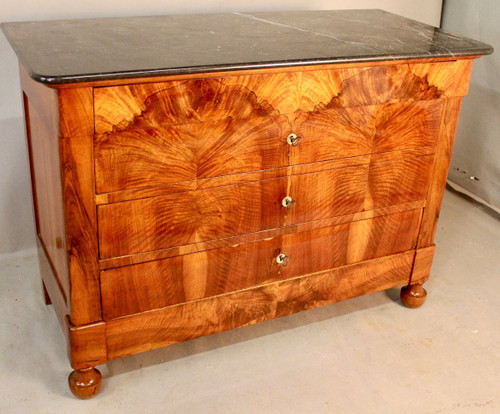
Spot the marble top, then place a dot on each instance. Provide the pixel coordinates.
(67, 51)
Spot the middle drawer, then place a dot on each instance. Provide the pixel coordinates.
(154, 223)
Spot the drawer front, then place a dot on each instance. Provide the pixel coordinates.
(160, 222)
(145, 158)
(152, 105)
(195, 216)
(347, 132)
(156, 284)
(397, 181)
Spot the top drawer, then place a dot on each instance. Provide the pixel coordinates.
(153, 157)
(152, 105)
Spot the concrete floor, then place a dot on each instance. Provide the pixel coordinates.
(365, 355)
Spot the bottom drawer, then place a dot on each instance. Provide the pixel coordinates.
(145, 286)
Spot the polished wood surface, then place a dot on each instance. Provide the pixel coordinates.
(253, 237)
(422, 264)
(85, 383)
(76, 112)
(413, 296)
(42, 130)
(151, 105)
(439, 171)
(196, 216)
(346, 132)
(145, 158)
(191, 217)
(79, 205)
(86, 344)
(165, 326)
(157, 156)
(397, 181)
(133, 289)
(205, 183)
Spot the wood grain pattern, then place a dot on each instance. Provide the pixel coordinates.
(40, 109)
(61, 167)
(158, 200)
(439, 171)
(80, 212)
(453, 78)
(56, 294)
(173, 324)
(152, 105)
(408, 126)
(233, 179)
(75, 106)
(152, 157)
(178, 102)
(422, 265)
(86, 344)
(397, 181)
(145, 158)
(191, 217)
(347, 132)
(253, 237)
(309, 292)
(152, 285)
(197, 216)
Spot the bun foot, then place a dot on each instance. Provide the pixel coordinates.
(413, 296)
(85, 383)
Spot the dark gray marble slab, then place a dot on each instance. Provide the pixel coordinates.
(99, 49)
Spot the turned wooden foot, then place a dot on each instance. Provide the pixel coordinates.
(85, 383)
(413, 296)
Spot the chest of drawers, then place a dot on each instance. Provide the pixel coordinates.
(175, 199)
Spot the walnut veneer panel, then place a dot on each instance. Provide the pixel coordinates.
(147, 158)
(63, 193)
(165, 326)
(115, 262)
(156, 284)
(194, 216)
(87, 344)
(42, 131)
(397, 181)
(439, 171)
(153, 105)
(75, 109)
(347, 132)
(52, 292)
(144, 158)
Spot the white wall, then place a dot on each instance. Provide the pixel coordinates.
(16, 223)
(477, 145)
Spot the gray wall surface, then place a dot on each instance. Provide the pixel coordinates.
(16, 223)
(475, 164)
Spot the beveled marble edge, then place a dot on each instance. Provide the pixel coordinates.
(425, 33)
(96, 77)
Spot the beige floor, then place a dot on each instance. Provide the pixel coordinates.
(366, 355)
